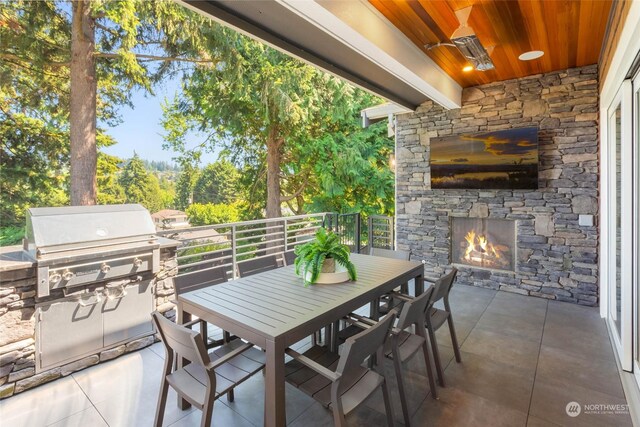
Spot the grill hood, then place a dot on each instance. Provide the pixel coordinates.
(74, 227)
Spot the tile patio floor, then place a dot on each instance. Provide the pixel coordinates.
(523, 359)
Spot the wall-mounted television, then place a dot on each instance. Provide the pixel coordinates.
(504, 159)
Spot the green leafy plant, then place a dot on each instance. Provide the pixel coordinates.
(311, 255)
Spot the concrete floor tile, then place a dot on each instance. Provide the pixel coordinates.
(552, 395)
(498, 382)
(459, 408)
(503, 348)
(88, 417)
(132, 373)
(44, 405)
(577, 316)
(528, 329)
(596, 374)
(523, 360)
(416, 389)
(463, 329)
(537, 422)
(222, 416)
(577, 340)
(129, 409)
(249, 400)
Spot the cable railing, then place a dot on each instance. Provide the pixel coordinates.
(231, 244)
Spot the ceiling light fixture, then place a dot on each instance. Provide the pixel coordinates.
(532, 54)
(467, 68)
(465, 39)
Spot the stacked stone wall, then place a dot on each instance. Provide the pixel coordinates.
(556, 257)
(17, 325)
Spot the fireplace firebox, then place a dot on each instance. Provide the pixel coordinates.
(484, 243)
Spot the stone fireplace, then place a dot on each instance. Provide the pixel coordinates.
(484, 243)
(553, 254)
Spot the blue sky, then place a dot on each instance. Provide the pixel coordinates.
(141, 130)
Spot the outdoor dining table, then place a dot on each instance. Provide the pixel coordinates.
(274, 310)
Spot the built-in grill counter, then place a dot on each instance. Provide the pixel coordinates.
(94, 268)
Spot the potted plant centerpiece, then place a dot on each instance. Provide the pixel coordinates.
(324, 260)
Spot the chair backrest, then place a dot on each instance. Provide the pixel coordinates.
(199, 279)
(182, 341)
(257, 265)
(443, 285)
(358, 347)
(289, 257)
(414, 312)
(388, 253)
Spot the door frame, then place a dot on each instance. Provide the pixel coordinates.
(623, 343)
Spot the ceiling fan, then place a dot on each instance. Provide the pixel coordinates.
(466, 41)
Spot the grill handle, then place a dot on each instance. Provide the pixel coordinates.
(111, 297)
(84, 303)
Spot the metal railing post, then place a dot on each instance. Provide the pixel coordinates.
(286, 236)
(392, 234)
(234, 273)
(358, 232)
(370, 231)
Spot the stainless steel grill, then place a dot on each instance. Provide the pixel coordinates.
(79, 245)
(95, 268)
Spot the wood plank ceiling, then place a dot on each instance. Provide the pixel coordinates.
(569, 32)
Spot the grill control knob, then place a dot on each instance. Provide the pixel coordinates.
(105, 268)
(55, 277)
(67, 275)
(137, 262)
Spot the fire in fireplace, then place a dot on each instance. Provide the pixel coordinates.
(483, 242)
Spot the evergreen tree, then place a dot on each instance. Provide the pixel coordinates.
(140, 186)
(217, 183)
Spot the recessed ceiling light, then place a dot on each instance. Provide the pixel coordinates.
(533, 54)
(467, 68)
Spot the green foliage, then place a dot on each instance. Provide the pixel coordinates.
(217, 183)
(11, 235)
(311, 255)
(184, 186)
(110, 192)
(35, 41)
(209, 214)
(140, 186)
(328, 162)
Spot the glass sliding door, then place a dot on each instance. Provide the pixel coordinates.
(619, 228)
(636, 223)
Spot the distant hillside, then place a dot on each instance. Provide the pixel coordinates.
(160, 166)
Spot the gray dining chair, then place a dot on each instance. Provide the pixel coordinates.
(437, 317)
(390, 253)
(385, 303)
(198, 280)
(257, 265)
(341, 382)
(208, 375)
(404, 344)
(290, 257)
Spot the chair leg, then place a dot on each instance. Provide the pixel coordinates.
(230, 395)
(338, 418)
(397, 364)
(436, 356)
(388, 409)
(207, 412)
(454, 339)
(162, 403)
(427, 361)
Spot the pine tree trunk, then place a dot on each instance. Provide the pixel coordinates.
(83, 106)
(274, 143)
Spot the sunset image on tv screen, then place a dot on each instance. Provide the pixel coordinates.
(505, 159)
